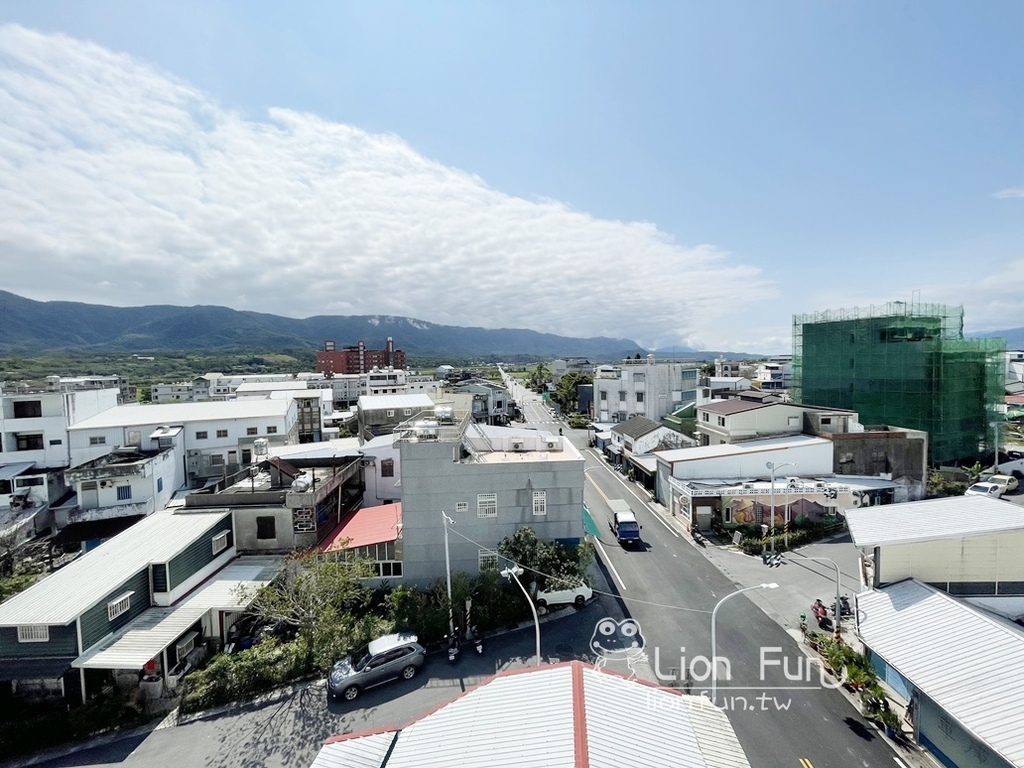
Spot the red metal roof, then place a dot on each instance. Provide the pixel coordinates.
(369, 525)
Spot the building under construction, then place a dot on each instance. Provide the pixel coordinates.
(905, 364)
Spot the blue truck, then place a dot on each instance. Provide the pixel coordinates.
(624, 524)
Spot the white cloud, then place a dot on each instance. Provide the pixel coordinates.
(1010, 192)
(120, 185)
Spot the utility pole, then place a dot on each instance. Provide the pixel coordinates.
(448, 572)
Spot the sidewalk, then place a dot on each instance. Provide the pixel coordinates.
(801, 581)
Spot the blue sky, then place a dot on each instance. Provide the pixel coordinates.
(674, 173)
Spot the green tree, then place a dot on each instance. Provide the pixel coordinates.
(324, 600)
(547, 560)
(566, 391)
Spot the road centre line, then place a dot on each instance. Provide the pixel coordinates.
(633, 493)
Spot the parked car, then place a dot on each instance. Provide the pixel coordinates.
(1008, 482)
(985, 489)
(577, 595)
(387, 658)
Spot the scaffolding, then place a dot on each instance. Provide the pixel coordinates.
(904, 364)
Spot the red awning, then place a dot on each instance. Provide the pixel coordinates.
(369, 525)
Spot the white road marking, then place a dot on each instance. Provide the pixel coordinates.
(615, 574)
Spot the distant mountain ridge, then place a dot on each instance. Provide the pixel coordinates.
(33, 327)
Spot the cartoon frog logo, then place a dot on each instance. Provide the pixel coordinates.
(616, 640)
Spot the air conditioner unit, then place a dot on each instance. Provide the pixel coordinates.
(819, 485)
(104, 484)
(185, 645)
(748, 485)
(552, 445)
(517, 445)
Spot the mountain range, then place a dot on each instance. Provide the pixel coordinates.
(33, 327)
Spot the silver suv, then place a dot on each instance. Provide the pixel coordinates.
(386, 658)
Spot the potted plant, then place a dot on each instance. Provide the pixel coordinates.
(888, 718)
(814, 640)
(857, 677)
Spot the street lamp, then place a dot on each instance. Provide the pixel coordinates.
(514, 573)
(714, 617)
(772, 466)
(448, 572)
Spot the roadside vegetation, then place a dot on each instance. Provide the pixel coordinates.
(319, 611)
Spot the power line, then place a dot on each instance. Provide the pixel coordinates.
(452, 529)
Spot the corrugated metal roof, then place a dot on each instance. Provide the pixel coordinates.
(183, 413)
(655, 720)
(946, 518)
(969, 663)
(734, 449)
(366, 751)
(533, 717)
(365, 526)
(62, 596)
(147, 635)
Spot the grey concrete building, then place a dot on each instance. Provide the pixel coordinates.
(490, 481)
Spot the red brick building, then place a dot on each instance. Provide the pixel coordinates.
(358, 359)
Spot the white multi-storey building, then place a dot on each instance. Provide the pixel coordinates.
(34, 424)
(645, 388)
(218, 438)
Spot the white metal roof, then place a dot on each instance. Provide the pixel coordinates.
(969, 663)
(147, 635)
(558, 708)
(416, 402)
(62, 596)
(183, 413)
(735, 449)
(947, 518)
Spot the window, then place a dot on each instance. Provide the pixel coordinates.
(487, 505)
(119, 605)
(487, 560)
(271, 430)
(97, 440)
(28, 482)
(407, 412)
(461, 506)
(159, 484)
(389, 414)
(29, 442)
(124, 492)
(28, 409)
(540, 502)
(220, 541)
(604, 396)
(56, 442)
(250, 430)
(826, 420)
(387, 468)
(266, 528)
(201, 435)
(639, 377)
(222, 433)
(387, 569)
(32, 633)
(622, 395)
(705, 417)
(216, 458)
(639, 397)
(721, 421)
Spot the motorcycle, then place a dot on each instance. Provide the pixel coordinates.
(844, 607)
(821, 615)
(476, 639)
(453, 646)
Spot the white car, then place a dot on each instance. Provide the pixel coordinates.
(577, 595)
(1007, 482)
(992, 490)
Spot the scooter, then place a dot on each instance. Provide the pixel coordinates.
(821, 614)
(476, 639)
(844, 607)
(453, 646)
